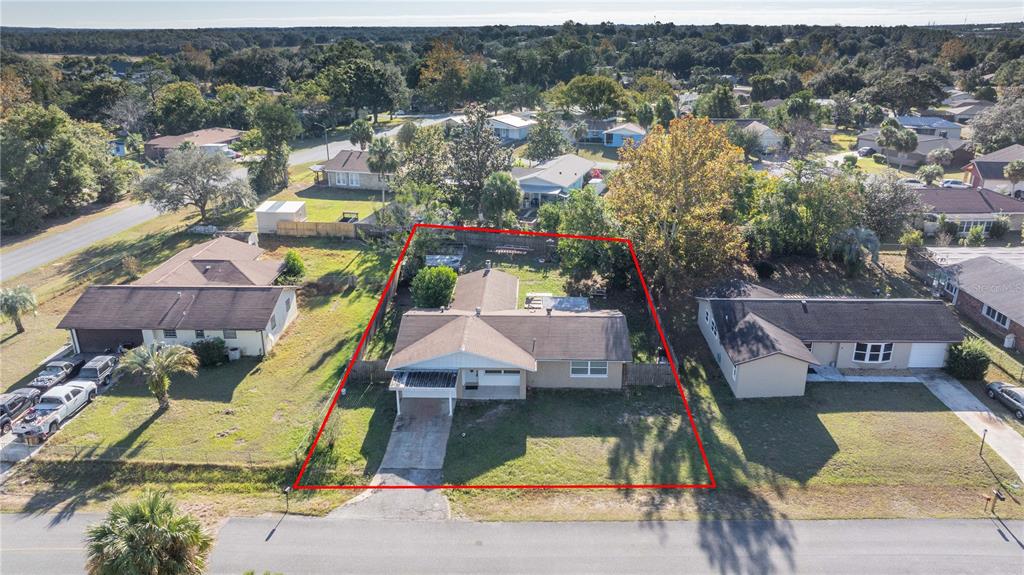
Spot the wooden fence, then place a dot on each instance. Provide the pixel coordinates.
(648, 374)
(313, 229)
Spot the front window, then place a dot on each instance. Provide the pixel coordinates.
(353, 180)
(996, 316)
(273, 322)
(588, 369)
(170, 334)
(340, 179)
(200, 334)
(966, 226)
(230, 334)
(872, 352)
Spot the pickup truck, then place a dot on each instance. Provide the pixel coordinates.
(55, 407)
(13, 404)
(55, 373)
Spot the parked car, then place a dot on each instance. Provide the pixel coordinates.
(912, 182)
(866, 151)
(99, 370)
(959, 184)
(1012, 396)
(15, 403)
(55, 373)
(55, 407)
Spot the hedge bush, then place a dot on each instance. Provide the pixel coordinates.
(999, 228)
(210, 352)
(968, 359)
(878, 158)
(432, 287)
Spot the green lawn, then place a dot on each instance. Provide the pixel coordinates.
(323, 204)
(869, 166)
(574, 437)
(258, 410)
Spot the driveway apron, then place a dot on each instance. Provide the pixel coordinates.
(414, 457)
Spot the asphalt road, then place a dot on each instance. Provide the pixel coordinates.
(39, 545)
(41, 252)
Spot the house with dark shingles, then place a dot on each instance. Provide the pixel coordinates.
(969, 208)
(765, 345)
(987, 171)
(990, 292)
(486, 347)
(218, 289)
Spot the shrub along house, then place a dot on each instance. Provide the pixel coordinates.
(220, 288)
(485, 347)
(765, 346)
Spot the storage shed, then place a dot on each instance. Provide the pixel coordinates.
(270, 212)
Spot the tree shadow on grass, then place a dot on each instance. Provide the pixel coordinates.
(216, 383)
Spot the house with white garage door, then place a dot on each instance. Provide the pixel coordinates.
(484, 346)
(766, 345)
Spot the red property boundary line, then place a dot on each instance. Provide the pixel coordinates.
(711, 484)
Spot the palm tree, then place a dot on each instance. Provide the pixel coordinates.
(156, 363)
(147, 536)
(579, 133)
(16, 301)
(382, 160)
(360, 133)
(852, 243)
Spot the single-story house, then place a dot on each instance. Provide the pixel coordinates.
(220, 288)
(551, 180)
(987, 171)
(925, 144)
(512, 127)
(965, 111)
(970, 207)
(348, 169)
(158, 147)
(930, 126)
(991, 292)
(765, 345)
(484, 346)
(954, 97)
(250, 318)
(619, 134)
(270, 212)
(770, 140)
(596, 127)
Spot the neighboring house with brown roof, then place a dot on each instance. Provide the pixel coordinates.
(349, 169)
(991, 292)
(987, 171)
(219, 288)
(158, 147)
(486, 347)
(765, 345)
(969, 207)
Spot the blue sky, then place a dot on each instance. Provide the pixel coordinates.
(283, 13)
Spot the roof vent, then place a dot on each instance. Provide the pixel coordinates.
(477, 311)
(803, 303)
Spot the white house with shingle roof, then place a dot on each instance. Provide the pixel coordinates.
(512, 127)
(551, 180)
(486, 347)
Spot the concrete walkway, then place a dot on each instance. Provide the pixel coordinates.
(414, 456)
(1002, 438)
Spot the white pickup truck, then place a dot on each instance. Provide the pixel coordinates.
(55, 407)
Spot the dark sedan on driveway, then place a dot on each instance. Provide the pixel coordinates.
(1012, 396)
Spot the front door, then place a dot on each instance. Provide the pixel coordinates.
(470, 379)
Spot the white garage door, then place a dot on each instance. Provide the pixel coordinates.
(927, 355)
(499, 377)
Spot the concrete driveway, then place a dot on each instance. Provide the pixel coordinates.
(414, 457)
(1002, 438)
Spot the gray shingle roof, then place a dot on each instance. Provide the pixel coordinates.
(164, 307)
(748, 327)
(349, 161)
(992, 282)
(222, 261)
(991, 165)
(487, 289)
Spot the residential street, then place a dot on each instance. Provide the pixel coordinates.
(293, 545)
(17, 261)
